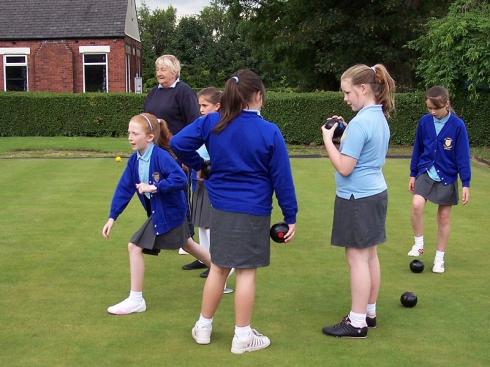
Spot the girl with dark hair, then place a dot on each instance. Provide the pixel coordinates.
(249, 163)
(441, 152)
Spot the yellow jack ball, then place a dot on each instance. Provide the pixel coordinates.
(118, 159)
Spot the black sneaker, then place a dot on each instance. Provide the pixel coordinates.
(345, 329)
(371, 322)
(194, 265)
(204, 274)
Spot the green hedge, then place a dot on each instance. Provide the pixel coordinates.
(299, 115)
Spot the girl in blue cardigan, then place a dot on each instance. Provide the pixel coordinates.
(249, 162)
(160, 184)
(441, 152)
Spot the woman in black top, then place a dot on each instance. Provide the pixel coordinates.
(171, 100)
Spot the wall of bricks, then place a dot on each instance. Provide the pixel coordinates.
(57, 65)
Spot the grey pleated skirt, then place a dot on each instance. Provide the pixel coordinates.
(151, 244)
(360, 223)
(239, 240)
(201, 206)
(436, 191)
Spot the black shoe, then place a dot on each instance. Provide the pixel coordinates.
(371, 322)
(204, 274)
(345, 329)
(194, 265)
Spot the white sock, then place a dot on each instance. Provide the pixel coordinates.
(419, 241)
(204, 322)
(371, 310)
(357, 319)
(243, 332)
(204, 237)
(136, 296)
(439, 255)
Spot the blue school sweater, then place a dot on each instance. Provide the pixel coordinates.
(249, 162)
(168, 204)
(448, 151)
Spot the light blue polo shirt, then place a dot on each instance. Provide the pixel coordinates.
(366, 139)
(438, 125)
(144, 165)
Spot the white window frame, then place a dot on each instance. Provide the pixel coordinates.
(96, 50)
(5, 65)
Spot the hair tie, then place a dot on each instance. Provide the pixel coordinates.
(373, 68)
(149, 123)
(159, 121)
(235, 78)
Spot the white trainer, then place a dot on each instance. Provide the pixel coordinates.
(438, 266)
(255, 341)
(126, 307)
(202, 335)
(183, 252)
(416, 251)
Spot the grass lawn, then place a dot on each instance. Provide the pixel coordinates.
(58, 276)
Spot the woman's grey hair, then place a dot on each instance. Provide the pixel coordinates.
(170, 62)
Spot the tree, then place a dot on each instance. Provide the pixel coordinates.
(455, 51)
(310, 43)
(156, 30)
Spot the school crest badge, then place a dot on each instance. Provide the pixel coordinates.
(448, 144)
(156, 176)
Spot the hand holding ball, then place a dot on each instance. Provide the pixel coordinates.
(339, 130)
(278, 232)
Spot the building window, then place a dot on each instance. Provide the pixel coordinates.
(95, 74)
(128, 73)
(15, 71)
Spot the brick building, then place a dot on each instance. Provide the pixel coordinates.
(69, 45)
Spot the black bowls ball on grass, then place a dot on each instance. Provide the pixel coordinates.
(416, 266)
(278, 231)
(408, 299)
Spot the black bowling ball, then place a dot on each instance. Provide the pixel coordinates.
(206, 170)
(408, 299)
(339, 130)
(278, 231)
(417, 266)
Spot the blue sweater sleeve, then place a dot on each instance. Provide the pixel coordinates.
(463, 157)
(186, 142)
(125, 190)
(176, 179)
(282, 179)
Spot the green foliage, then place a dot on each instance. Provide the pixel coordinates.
(299, 115)
(46, 114)
(210, 46)
(308, 44)
(455, 51)
(156, 31)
